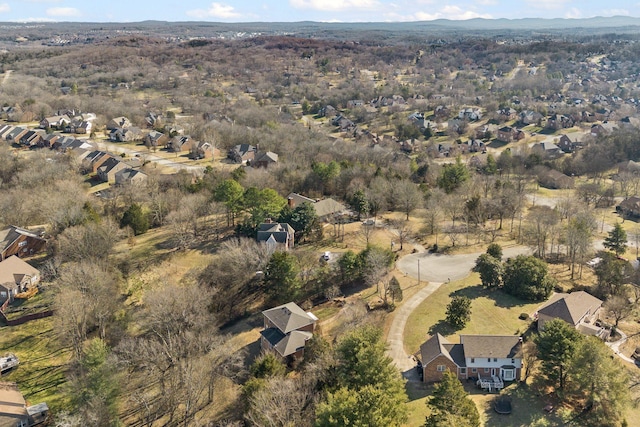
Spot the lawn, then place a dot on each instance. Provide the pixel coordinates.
(43, 362)
(492, 312)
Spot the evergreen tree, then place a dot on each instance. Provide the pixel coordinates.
(495, 250)
(136, 219)
(557, 345)
(281, 277)
(370, 388)
(450, 405)
(527, 277)
(459, 311)
(490, 269)
(616, 241)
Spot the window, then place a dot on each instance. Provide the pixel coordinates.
(513, 361)
(474, 370)
(473, 360)
(441, 368)
(495, 359)
(463, 371)
(486, 370)
(488, 359)
(23, 243)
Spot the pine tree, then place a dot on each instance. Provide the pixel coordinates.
(616, 241)
(450, 405)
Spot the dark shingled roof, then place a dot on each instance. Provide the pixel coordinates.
(500, 346)
(438, 345)
(288, 317)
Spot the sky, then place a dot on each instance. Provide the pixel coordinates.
(306, 10)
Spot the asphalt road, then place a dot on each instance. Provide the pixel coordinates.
(442, 268)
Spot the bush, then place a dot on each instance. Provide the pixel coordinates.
(523, 316)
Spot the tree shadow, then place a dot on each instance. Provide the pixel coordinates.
(498, 296)
(417, 390)
(442, 327)
(527, 408)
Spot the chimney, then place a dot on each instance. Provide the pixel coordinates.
(290, 202)
(267, 221)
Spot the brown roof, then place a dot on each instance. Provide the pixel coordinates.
(9, 235)
(289, 317)
(12, 405)
(14, 269)
(501, 346)
(571, 307)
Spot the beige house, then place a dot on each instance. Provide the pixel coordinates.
(13, 409)
(579, 309)
(16, 276)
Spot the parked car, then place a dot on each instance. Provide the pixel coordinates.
(326, 256)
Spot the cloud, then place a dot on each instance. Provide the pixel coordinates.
(4, 8)
(61, 12)
(454, 13)
(334, 5)
(547, 4)
(216, 10)
(616, 12)
(487, 2)
(573, 13)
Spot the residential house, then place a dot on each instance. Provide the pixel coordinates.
(325, 208)
(153, 120)
(417, 119)
(118, 122)
(553, 179)
(559, 121)
(155, 139)
(287, 328)
(33, 138)
(14, 411)
(529, 117)
(566, 145)
(456, 125)
(49, 140)
(630, 122)
(276, 235)
(579, 309)
(55, 122)
(629, 207)
(203, 150)
(441, 112)
(15, 135)
(12, 113)
(327, 111)
(108, 169)
(604, 128)
(127, 134)
(353, 103)
(180, 143)
(343, 123)
(476, 356)
(470, 114)
(67, 143)
(263, 160)
(84, 127)
(19, 241)
(16, 276)
(506, 114)
(547, 149)
(130, 176)
(95, 159)
(5, 130)
(242, 153)
(509, 134)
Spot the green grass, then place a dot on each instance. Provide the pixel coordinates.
(43, 362)
(492, 312)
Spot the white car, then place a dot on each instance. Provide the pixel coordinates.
(326, 256)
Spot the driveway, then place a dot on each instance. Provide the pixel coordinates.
(443, 268)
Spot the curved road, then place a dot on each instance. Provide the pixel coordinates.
(436, 269)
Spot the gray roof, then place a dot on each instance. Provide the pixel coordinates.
(435, 346)
(286, 344)
(289, 317)
(268, 156)
(281, 232)
(501, 346)
(328, 206)
(571, 307)
(299, 199)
